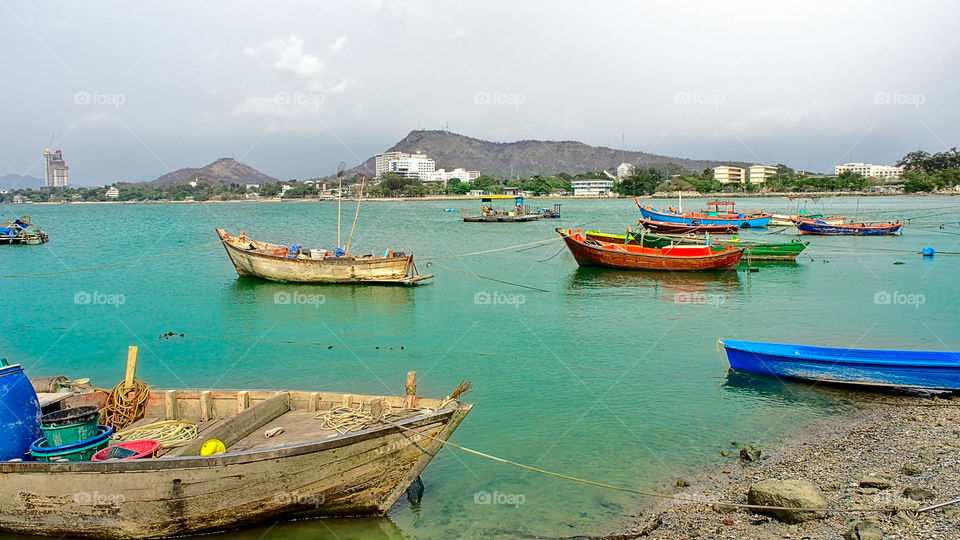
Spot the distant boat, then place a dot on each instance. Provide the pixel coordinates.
(909, 369)
(589, 252)
(488, 214)
(275, 262)
(22, 231)
(669, 227)
(753, 251)
(820, 227)
(714, 217)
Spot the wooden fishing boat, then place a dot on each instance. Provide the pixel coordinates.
(702, 218)
(274, 262)
(753, 251)
(308, 470)
(789, 220)
(910, 369)
(668, 227)
(589, 252)
(816, 226)
(22, 231)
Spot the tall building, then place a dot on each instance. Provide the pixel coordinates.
(869, 170)
(414, 166)
(725, 174)
(56, 169)
(760, 173)
(625, 169)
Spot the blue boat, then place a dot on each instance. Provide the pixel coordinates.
(909, 369)
(816, 226)
(700, 218)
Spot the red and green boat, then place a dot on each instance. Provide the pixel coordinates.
(753, 251)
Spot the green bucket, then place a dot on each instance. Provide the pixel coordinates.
(81, 451)
(70, 426)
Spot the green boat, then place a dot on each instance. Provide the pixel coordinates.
(754, 251)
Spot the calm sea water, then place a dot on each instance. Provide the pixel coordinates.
(606, 375)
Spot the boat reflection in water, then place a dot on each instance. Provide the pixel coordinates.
(671, 286)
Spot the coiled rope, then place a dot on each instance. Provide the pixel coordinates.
(169, 433)
(125, 405)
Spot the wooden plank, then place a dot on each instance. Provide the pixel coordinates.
(170, 404)
(131, 366)
(410, 394)
(48, 398)
(205, 411)
(243, 401)
(232, 429)
(314, 401)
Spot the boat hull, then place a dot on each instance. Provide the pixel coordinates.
(609, 256)
(753, 251)
(910, 369)
(668, 227)
(361, 473)
(690, 218)
(825, 229)
(346, 269)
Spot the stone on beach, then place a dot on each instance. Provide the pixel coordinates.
(788, 493)
(875, 482)
(864, 530)
(749, 453)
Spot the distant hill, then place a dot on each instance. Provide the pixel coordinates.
(526, 158)
(221, 171)
(16, 181)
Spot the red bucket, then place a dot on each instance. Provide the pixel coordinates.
(129, 450)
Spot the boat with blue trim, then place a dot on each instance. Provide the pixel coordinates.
(714, 216)
(821, 227)
(933, 370)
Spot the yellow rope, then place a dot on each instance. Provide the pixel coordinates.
(126, 405)
(121, 263)
(641, 492)
(169, 433)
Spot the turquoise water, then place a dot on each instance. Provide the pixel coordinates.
(606, 375)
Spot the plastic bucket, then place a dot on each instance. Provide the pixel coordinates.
(80, 451)
(70, 425)
(19, 413)
(141, 448)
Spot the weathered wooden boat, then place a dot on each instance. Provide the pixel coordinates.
(668, 227)
(488, 214)
(909, 369)
(701, 218)
(308, 470)
(753, 251)
(820, 227)
(22, 231)
(789, 220)
(589, 252)
(274, 262)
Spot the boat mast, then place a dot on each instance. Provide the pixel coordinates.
(856, 213)
(363, 180)
(339, 196)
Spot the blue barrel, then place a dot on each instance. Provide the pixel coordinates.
(19, 415)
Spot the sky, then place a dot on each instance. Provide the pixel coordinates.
(132, 90)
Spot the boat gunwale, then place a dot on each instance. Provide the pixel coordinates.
(326, 260)
(711, 255)
(234, 458)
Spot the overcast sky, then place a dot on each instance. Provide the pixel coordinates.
(134, 90)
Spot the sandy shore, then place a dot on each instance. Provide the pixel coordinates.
(890, 451)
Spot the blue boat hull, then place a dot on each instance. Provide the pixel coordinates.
(843, 230)
(671, 217)
(910, 369)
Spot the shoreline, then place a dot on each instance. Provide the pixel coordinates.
(434, 198)
(899, 443)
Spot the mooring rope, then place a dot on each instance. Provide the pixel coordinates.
(467, 272)
(681, 498)
(472, 253)
(121, 263)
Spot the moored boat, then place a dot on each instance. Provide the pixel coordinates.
(489, 214)
(22, 231)
(910, 369)
(753, 251)
(702, 218)
(789, 220)
(589, 252)
(820, 227)
(275, 262)
(308, 469)
(668, 227)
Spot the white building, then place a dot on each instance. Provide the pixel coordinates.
(112, 193)
(594, 187)
(415, 166)
(725, 174)
(870, 170)
(625, 169)
(443, 175)
(760, 173)
(56, 169)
